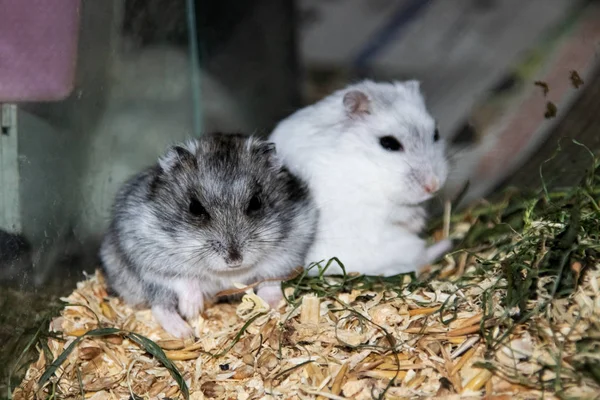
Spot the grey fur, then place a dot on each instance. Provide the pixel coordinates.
(155, 240)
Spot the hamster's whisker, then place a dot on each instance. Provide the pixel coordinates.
(270, 242)
(179, 264)
(189, 247)
(408, 164)
(264, 238)
(196, 256)
(259, 238)
(191, 260)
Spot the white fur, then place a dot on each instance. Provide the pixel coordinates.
(271, 294)
(172, 322)
(370, 199)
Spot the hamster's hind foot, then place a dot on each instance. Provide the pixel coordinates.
(172, 322)
(271, 294)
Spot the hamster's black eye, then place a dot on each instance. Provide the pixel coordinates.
(390, 143)
(197, 209)
(436, 135)
(254, 205)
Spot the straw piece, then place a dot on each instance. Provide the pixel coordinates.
(464, 331)
(463, 360)
(310, 311)
(336, 387)
(182, 355)
(478, 381)
(422, 311)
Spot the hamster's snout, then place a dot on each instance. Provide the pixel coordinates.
(234, 257)
(431, 185)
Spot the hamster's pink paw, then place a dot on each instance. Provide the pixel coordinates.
(191, 304)
(172, 322)
(271, 294)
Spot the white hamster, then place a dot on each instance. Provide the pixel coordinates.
(372, 155)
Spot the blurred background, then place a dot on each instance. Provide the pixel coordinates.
(92, 91)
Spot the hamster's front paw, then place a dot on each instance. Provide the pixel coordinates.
(438, 249)
(189, 297)
(191, 304)
(271, 294)
(172, 322)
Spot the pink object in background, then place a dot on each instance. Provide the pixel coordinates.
(38, 49)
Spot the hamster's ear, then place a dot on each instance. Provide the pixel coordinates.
(176, 156)
(412, 88)
(356, 103)
(267, 151)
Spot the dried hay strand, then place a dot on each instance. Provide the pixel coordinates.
(514, 312)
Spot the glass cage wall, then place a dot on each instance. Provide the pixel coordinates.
(148, 74)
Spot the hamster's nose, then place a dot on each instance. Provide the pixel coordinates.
(233, 258)
(431, 186)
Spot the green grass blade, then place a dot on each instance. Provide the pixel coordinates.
(147, 344)
(43, 327)
(154, 349)
(61, 358)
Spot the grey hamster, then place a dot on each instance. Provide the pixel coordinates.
(213, 211)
